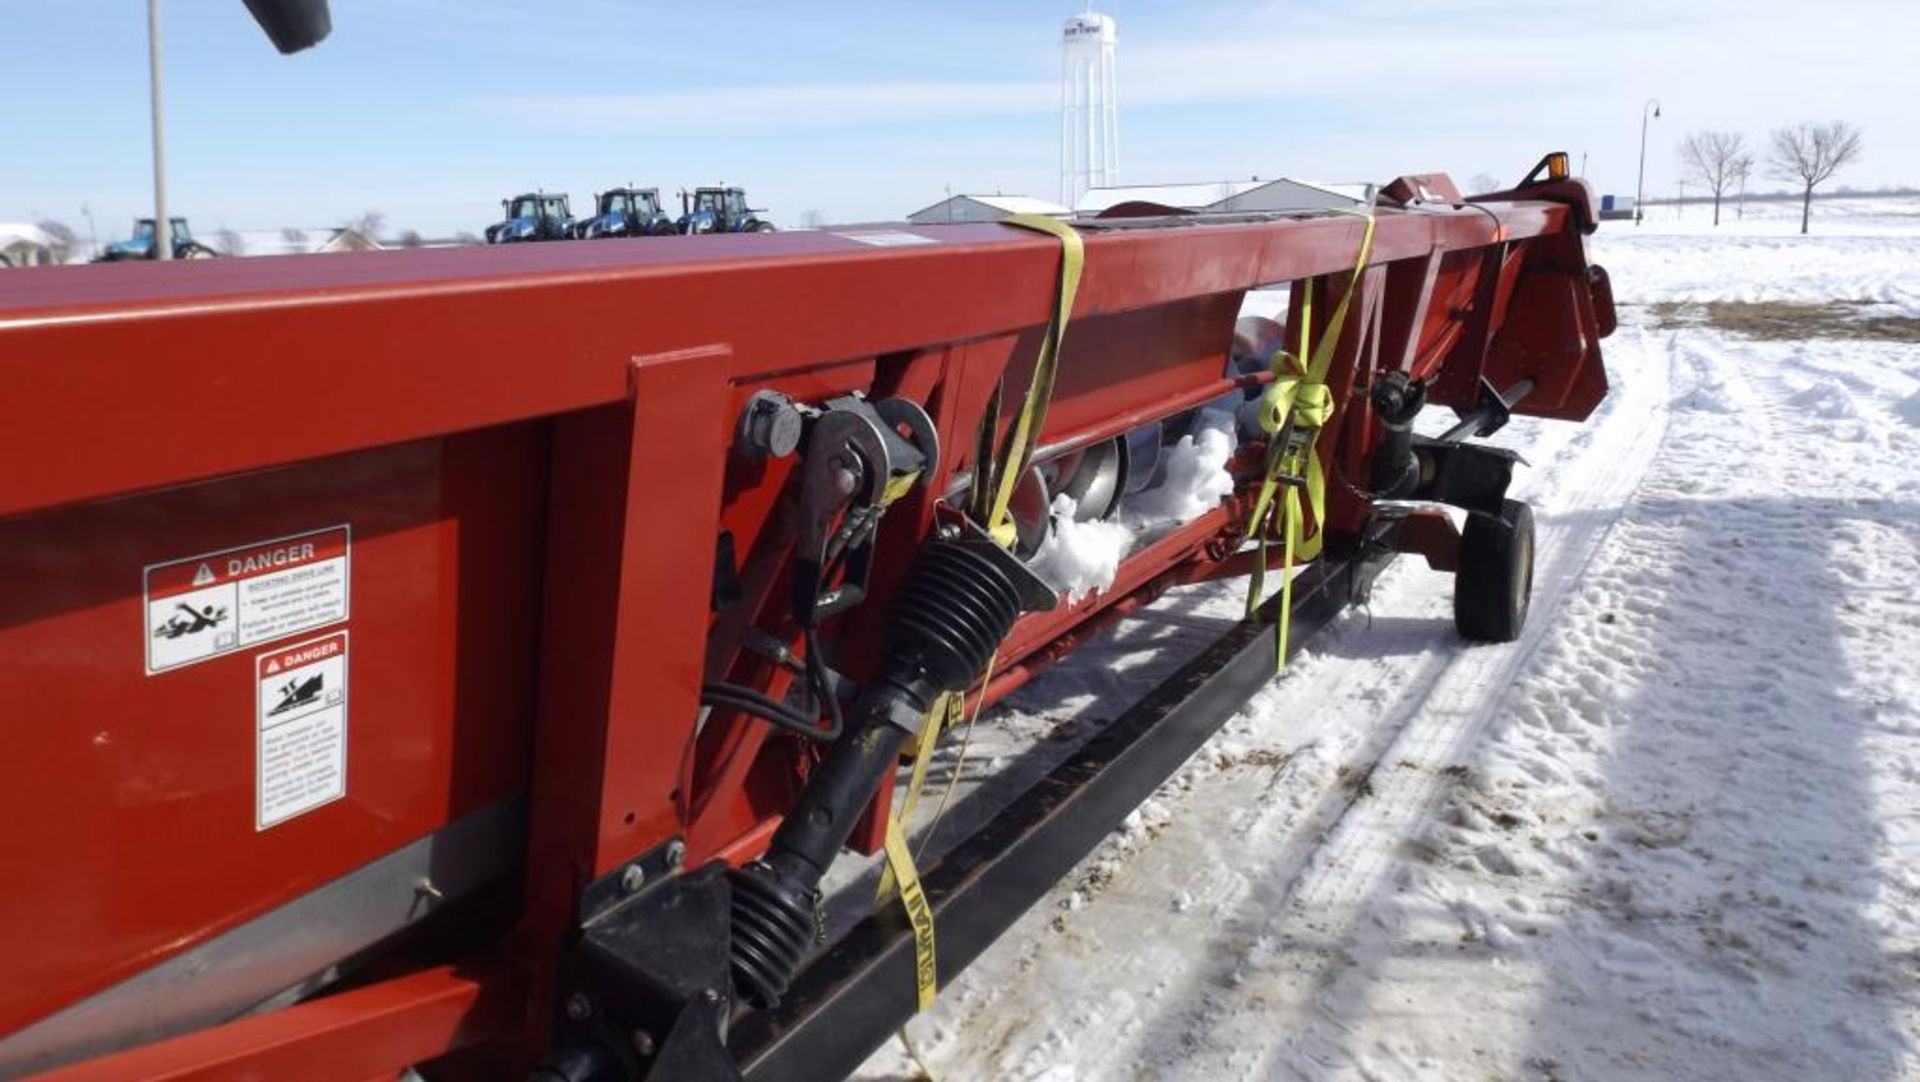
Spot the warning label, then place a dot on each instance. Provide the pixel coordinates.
(218, 602)
(302, 728)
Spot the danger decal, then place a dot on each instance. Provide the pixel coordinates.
(218, 602)
(301, 728)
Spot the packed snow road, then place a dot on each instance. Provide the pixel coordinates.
(1673, 832)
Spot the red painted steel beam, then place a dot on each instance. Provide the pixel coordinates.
(298, 357)
(375, 1031)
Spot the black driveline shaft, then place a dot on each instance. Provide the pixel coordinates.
(958, 602)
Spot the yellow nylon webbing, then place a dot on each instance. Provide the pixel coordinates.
(1293, 410)
(999, 478)
(1024, 435)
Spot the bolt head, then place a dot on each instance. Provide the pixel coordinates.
(579, 1007)
(643, 1042)
(676, 854)
(633, 878)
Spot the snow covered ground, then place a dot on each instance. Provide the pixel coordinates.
(1672, 833)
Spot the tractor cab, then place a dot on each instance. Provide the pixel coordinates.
(626, 212)
(720, 210)
(140, 245)
(534, 216)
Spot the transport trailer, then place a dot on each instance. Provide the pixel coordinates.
(390, 686)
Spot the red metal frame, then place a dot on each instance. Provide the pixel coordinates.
(595, 388)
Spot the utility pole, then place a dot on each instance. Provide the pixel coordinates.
(1640, 193)
(162, 226)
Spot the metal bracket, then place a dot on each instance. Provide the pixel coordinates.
(648, 988)
(854, 459)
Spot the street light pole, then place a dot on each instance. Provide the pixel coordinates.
(1640, 193)
(162, 227)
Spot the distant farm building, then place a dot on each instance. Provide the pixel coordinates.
(24, 245)
(1282, 196)
(984, 208)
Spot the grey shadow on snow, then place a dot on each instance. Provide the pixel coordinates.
(1737, 929)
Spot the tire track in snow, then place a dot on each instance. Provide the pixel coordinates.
(1305, 821)
(1581, 497)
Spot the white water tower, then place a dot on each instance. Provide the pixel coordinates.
(1089, 105)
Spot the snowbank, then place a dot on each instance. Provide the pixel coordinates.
(1674, 832)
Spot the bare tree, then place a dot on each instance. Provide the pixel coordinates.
(369, 225)
(812, 219)
(231, 243)
(296, 240)
(64, 239)
(1812, 154)
(412, 239)
(467, 237)
(1483, 182)
(1743, 170)
(1713, 159)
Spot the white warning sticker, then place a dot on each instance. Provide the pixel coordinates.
(302, 728)
(219, 602)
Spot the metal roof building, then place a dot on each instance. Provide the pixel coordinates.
(1283, 196)
(984, 208)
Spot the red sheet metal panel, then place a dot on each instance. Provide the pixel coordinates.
(132, 802)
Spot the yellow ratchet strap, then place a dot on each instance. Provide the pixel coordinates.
(1293, 410)
(995, 481)
(1024, 435)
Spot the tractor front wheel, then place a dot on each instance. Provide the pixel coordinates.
(762, 227)
(1494, 586)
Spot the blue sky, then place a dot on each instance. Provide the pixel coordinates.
(431, 110)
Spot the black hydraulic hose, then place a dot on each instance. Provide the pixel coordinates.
(770, 710)
(778, 714)
(823, 688)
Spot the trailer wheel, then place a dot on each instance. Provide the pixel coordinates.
(1494, 585)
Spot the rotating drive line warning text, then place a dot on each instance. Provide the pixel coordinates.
(204, 606)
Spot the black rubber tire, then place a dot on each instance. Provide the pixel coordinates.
(1494, 586)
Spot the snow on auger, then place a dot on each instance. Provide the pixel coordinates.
(488, 697)
(606, 635)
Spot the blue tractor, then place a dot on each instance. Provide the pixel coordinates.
(626, 212)
(535, 216)
(720, 210)
(140, 245)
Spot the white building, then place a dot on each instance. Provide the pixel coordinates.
(1282, 196)
(24, 245)
(1290, 196)
(1089, 105)
(984, 208)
